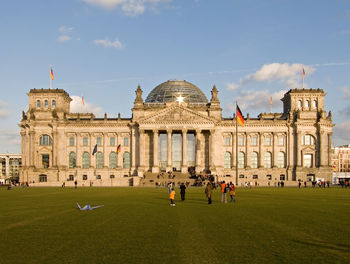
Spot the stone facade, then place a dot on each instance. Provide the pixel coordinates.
(172, 134)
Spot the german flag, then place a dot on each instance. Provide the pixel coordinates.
(118, 148)
(240, 117)
(51, 74)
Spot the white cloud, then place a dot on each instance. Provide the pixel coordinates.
(290, 74)
(64, 38)
(346, 91)
(4, 113)
(109, 44)
(252, 101)
(10, 137)
(77, 106)
(64, 29)
(232, 86)
(129, 7)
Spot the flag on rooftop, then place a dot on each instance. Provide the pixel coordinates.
(51, 73)
(240, 117)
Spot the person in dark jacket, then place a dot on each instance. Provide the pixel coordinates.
(182, 191)
(208, 191)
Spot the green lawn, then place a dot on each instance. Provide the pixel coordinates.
(137, 225)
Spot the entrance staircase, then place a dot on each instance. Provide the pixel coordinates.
(161, 179)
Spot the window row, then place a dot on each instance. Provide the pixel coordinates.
(86, 162)
(307, 103)
(269, 177)
(254, 141)
(99, 141)
(254, 160)
(46, 103)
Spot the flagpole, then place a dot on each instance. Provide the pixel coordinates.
(236, 147)
(50, 76)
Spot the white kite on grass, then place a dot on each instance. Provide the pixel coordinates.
(88, 207)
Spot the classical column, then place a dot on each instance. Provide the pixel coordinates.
(23, 134)
(211, 149)
(298, 148)
(233, 159)
(79, 156)
(7, 166)
(53, 160)
(142, 147)
(329, 148)
(247, 151)
(184, 151)
(274, 150)
(155, 167)
(198, 151)
(133, 149)
(105, 154)
(261, 155)
(169, 158)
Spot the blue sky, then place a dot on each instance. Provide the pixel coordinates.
(102, 49)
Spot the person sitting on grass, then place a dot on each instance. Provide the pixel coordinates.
(172, 197)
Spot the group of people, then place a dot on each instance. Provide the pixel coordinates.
(224, 188)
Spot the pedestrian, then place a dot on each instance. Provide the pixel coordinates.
(232, 192)
(304, 184)
(208, 192)
(223, 192)
(76, 184)
(182, 191)
(299, 184)
(172, 197)
(169, 187)
(63, 184)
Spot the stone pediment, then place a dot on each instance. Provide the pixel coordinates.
(177, 114)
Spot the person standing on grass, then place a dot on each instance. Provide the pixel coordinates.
(232, 192)
(75, 184)
(223, 192)
(172, 197)
(208, 191)
(182, 191)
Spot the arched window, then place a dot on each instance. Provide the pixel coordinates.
(300, 103)
(227, 160)
(45, 140)
(126, 160)
(241, 162)
(307, 103)
(112, 160)
(86, 160)
(308, 140)
(254, 160)
(72, 160)
(99, 160)
(281, 160)
(53, 103)
(46, 104)
(267, 159)
(314, 103)
(38, 103)
(98, 177)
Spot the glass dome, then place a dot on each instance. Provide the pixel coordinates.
(169, 92)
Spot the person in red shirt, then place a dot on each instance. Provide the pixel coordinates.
(232, 192)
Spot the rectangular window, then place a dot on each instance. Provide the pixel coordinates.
(307, 161)
(227, 141)
(85, 141)
(282, 177)
(112, 141)
(71, 141)
(126, 141)
(240, 141)
(268, 141)
(42, 178)
(255, 176)
(281, 141)
(99, 141)
(71, 178)
(269, 177)
(45, 160)
(254, 141)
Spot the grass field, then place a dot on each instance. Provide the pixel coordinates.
(137, 225)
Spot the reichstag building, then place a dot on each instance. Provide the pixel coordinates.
(175, 129)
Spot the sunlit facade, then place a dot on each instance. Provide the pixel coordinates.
(174, 129)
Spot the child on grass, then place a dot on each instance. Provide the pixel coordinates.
(172, 197)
